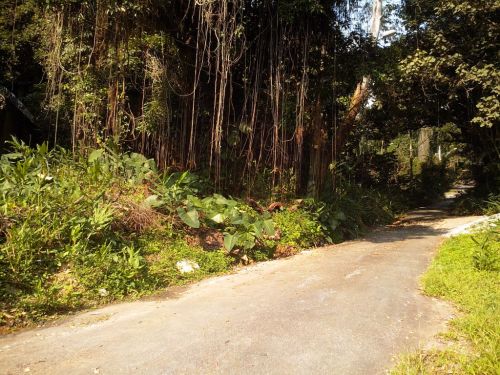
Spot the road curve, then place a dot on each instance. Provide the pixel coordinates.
(343, 309)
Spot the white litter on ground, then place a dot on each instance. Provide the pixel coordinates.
(475, 226)
(186, 266)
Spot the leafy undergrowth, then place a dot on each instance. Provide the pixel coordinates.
(467, 272)
(477, 202)
(76, 231)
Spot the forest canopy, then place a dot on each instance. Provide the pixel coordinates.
(273, 92)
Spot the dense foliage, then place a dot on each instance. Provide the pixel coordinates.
(77, 232)
(451, 69)
(220, 132)
(158, 77)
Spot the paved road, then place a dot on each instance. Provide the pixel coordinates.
(345, 309)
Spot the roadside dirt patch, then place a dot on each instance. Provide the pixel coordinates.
(208, 239)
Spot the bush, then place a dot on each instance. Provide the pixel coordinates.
(353, 210)
(477, 202)
(486, 255)
(76, 231)
(79, 230)
(299, 228)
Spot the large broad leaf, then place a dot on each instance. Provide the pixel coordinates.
(220, 200)
(96, 154)
(236, 220)
(231, 203)
(246, 219)
(257, 227)
(246, 240)
(230, 241)
(208, 201)
(218, 218)
(189, 217)
(235, 217)
(268, 226)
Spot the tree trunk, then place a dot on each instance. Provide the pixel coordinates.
(317, 158)
(424, 144)
(361, 91)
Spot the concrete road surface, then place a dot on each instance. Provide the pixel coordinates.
(343, 309)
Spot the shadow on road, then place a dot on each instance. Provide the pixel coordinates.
(403, 233)
(415, 224)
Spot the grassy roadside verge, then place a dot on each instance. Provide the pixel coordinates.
(466, 271)
(78, 231)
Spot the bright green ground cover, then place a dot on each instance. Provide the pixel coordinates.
(466, 272)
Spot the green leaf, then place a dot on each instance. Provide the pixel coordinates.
(189, 217)
(96, 154)
(237, 220)
(268, 226)
(246, 241)
(246, 219)
(13, 155)
(230, 241)
(231, 203)
(257, 227)
(182, 177)
(218, 218)
(195, 201)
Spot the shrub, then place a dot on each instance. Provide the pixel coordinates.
(486, 255)
(243, 227)
(477, 202)
(80, 230)
(299, 228)
(75, 231)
